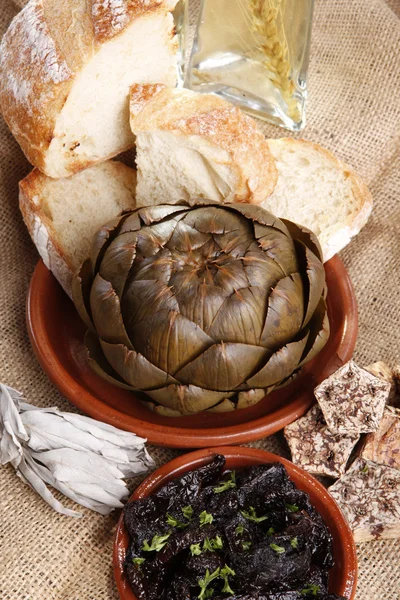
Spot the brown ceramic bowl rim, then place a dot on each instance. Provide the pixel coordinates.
(58, 359)
(344, 545)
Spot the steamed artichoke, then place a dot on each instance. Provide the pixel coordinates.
(203, 306)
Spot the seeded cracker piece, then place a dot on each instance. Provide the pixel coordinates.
(352, 400)
(315, 448)
(383, 371)
(383, 446)
(369, 496)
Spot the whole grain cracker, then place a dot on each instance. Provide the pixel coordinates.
(352, 400)
(315, 448)
(369, 497)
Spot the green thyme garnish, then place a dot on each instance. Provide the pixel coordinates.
(277, 549)
(292, 507)
(195, 549)
(239, 529)
(205, 518)
(310, 590)
(213, 544)
(246, 545)
(224, 574)
(294, 542)
(271, 531)
(187, 512)
(226, 485)
(205, 582)
(157, 543)
(175, 523)
(252, 516)
(364, 469)
(138, 561)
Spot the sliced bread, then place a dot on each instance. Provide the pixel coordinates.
(317, 190)
(65, 72)
(191, 144)
(63, 215)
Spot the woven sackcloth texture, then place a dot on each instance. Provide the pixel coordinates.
(353, 110)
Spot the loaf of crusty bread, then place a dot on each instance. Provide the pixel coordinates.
(317, 190)
(63, 215)
(190, 144)
(65, 72)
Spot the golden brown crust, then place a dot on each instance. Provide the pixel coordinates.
(110, 17)
(34, 81)
(222, 125)
(47, 43)
(141, 94)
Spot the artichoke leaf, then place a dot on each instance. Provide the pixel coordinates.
(99, 364)
(134, 368)
(169, 340)
(154, 268)
(143, 299)
(118, 260)
(231, 276)
(285, 312)
(224, 406)
(315, 282)
(106, 312)
(251, 397)
(81, 285)
(223, 366)
(259, 215)
(187, 399)
(131, 223)
(200, 302)
(186, 238)
(319, 333)
(154, 238)
(155, 214)
(280, 365)
(241, 317)
(277, 246)
(234, 243)
(213, 220)
(101, 240)
(261, 270)
(306, 236)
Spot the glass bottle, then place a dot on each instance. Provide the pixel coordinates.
(253, 53)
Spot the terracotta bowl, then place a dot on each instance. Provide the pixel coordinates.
(57, 333)
(343, 577)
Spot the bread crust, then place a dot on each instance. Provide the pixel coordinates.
(359, 216)
(41, 229)
(221, 124)
(46, 45)
(40, 225)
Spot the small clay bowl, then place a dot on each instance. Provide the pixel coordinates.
(343, 577)
(56, 333)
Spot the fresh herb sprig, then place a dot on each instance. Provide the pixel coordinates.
(225, 572)
(277, 549)
(226, 485)
(157, 543)
(293, 508)
(310, 590)
(205, 582)
(251, 515)
(205, 518)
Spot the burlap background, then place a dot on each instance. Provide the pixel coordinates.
(354, 111)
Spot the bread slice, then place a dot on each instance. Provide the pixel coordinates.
(318, 191)
(63, 215)
(65, 72)
(190, 144)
